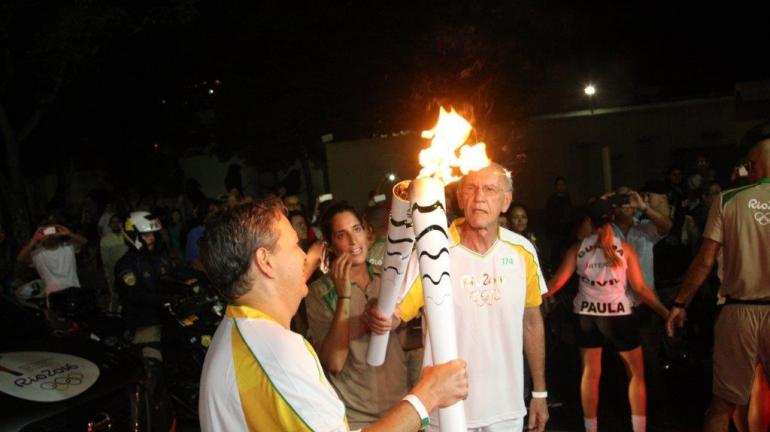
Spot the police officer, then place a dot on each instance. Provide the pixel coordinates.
(138, 278)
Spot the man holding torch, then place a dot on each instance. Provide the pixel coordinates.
(496, 288)
(259, 375)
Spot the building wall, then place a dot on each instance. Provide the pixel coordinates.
(643, 141)
(357, 167)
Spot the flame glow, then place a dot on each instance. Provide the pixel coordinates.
(448, 136)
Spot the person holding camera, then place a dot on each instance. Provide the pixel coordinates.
(605, 266)
(335, 305)
(642, 221)
(51, 251)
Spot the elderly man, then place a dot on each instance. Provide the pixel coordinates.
(739, 226)
(497, 286)
(259, 375)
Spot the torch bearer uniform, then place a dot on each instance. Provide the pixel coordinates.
(490, 292)
(260, 376)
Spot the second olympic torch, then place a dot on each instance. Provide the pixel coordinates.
(398, 250)
(432, 247)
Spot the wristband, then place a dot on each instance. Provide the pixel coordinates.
(679, 305)
(539, 395)
(419, 407)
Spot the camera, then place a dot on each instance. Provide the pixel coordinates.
(49, 230)
(618, 200)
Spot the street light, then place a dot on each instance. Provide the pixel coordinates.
(389, 176)
(590, 91)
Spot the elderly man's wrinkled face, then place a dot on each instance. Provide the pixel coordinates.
(482, 196)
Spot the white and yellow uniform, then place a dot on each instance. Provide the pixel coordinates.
(259, 376)
(490, 293)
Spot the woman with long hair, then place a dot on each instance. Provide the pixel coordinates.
(335, 303)
(605, 265)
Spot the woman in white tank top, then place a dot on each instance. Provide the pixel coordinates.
(605, 265)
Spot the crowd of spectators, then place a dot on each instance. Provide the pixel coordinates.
(660, 222)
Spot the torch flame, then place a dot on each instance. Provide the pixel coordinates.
(441, 158)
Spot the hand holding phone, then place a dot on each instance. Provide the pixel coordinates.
(49, 230)
(327, 256)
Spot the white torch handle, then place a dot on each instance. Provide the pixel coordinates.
(432, 247)
(397, 251)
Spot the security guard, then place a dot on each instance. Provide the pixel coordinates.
(138, 279)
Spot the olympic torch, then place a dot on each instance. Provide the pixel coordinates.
(432, 247)
(440, 164)
(427, 231)
(397, 252)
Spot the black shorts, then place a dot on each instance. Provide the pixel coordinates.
(620, 332)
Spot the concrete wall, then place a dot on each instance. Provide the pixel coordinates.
(643, 142)
(356, 167)
(210, 172)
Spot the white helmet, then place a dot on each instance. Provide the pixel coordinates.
(140, 222)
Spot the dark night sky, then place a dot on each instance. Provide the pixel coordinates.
(290, 74)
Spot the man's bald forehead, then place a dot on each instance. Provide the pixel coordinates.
(503, 175)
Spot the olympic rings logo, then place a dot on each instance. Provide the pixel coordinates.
(63, 382)
(762, 218)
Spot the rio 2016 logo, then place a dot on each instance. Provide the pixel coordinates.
(762, 218)
(62, 382)
(50, 373)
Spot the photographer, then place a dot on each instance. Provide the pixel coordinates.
(51, 250)
(641, 233)
(642, 221)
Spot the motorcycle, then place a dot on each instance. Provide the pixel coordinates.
(193, 314)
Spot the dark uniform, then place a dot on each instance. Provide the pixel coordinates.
(138, 278)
